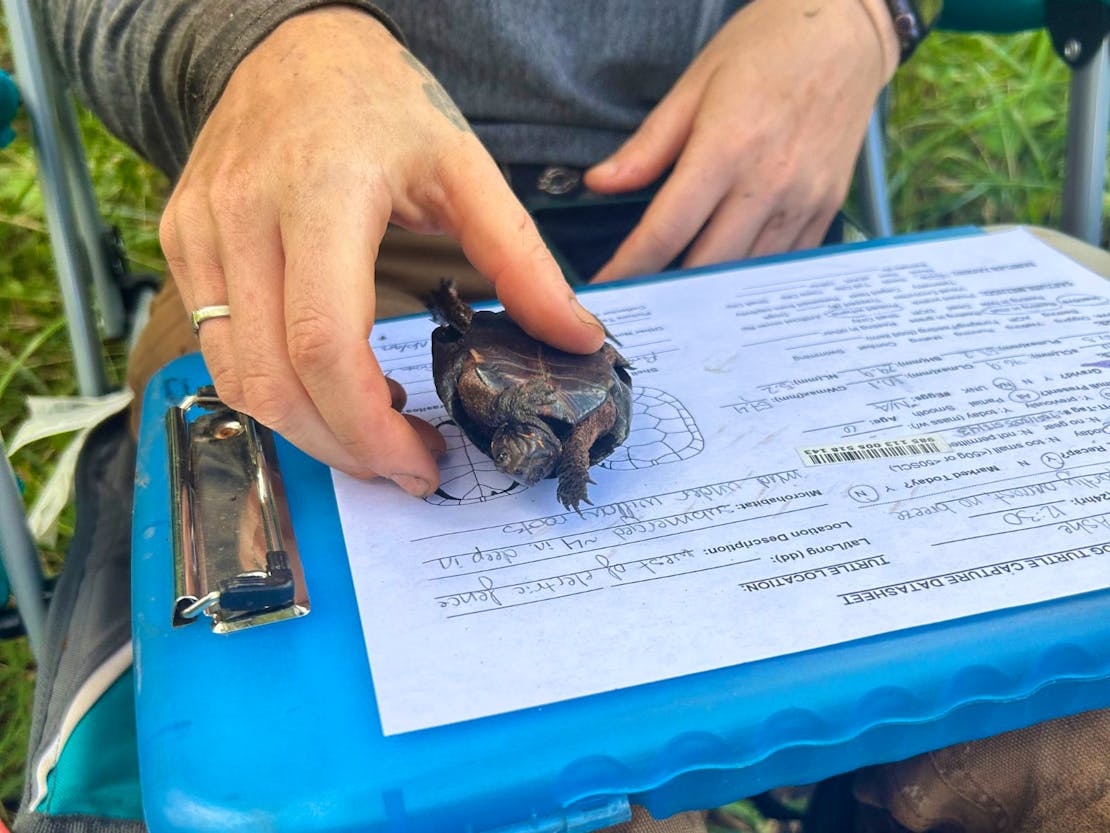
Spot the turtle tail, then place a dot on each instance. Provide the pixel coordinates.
(448, 309)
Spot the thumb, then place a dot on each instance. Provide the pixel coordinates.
(652, 149)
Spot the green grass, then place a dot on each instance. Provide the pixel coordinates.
(977, 133)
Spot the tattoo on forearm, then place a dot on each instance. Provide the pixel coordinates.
(437, 96)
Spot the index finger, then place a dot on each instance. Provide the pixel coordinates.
(501, 241)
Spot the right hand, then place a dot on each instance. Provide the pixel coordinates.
(327, 132)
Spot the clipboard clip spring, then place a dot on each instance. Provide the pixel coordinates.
(235, 555)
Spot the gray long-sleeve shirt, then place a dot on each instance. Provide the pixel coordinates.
(540, 80)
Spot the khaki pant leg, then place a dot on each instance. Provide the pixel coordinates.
(168, 334)
(410, 267)
(642, 822)
(1048, 778)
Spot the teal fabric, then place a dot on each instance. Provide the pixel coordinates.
(9, 104)
(994, 15)
(98, 771)
(5, 588)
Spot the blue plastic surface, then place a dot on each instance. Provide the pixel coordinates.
(276, 728)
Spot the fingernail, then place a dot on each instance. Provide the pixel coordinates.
(606, 168)
(415, 486)
(583, 314)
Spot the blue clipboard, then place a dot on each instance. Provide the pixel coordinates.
(276, 727)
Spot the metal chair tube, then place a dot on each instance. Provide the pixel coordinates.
(74, 273)
(871, 182)
(20, 558)
(1088, 125)
(91, 228)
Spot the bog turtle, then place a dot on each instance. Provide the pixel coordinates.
(535, 410)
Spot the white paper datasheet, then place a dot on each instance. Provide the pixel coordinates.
(849, 445)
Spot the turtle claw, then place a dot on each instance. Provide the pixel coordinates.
(577, 508)
(571, 503)
(572, 491)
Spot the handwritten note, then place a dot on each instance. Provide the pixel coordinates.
(821, 450)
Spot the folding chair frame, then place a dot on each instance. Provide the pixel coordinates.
(1088, 126)
(82, 248)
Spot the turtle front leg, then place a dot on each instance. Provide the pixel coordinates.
(515, 403)
(574, 465)
(521, 403)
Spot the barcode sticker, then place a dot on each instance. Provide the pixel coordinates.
(877, 450)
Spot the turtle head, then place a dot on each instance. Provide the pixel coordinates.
(527, 451)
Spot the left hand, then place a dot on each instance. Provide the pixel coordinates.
(762, 130)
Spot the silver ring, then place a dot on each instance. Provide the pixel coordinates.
(202, 314)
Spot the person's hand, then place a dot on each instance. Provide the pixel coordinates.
(762, 131)
(328, 131)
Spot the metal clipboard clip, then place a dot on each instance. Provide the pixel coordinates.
(235, 555)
